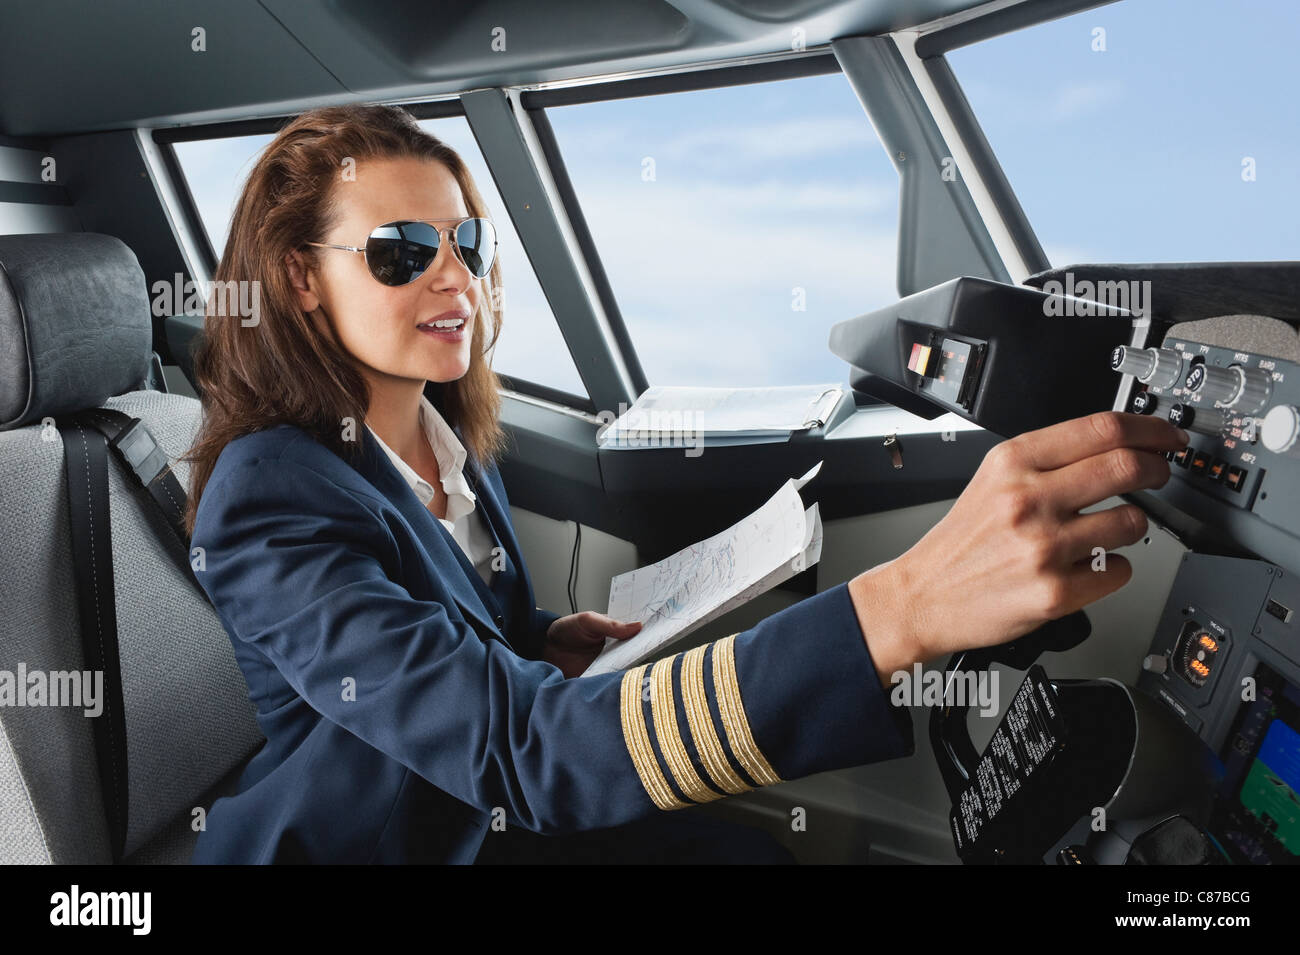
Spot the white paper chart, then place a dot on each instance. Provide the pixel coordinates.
(699, 583)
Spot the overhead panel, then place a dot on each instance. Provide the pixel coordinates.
(68, 66)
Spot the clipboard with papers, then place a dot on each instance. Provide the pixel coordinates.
(675, 416)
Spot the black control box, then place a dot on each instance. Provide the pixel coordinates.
(1009, 358)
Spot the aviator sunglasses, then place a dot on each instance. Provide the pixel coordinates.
(398, 253)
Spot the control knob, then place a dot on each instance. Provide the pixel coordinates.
(1212, 383)
(1243, 389)
(1279, 430)
(1256, 386)
(1155, 367)
(1202, 420)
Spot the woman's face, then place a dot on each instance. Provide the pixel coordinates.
(389, 330)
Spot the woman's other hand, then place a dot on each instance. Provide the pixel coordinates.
(572, 642)
(1014, 551)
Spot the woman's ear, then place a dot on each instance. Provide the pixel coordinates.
(301, 279)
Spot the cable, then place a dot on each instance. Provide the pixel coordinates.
(573, 567)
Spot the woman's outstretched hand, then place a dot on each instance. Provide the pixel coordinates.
(1015, 551)
(572, 642)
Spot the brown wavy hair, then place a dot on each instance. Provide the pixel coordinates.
(281, 369)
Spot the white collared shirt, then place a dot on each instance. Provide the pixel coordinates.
(464, 521)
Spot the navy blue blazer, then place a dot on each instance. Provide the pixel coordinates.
(405, 707)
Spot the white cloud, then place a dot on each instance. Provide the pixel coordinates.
(705, 278)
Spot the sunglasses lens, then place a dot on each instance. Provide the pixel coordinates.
(400, 252)
(477, 241)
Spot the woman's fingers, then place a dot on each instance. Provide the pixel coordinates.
(622, 630)
(1096, 478)
(1108, 529)
(1061, 445)
(1087, 583)
(602, 625)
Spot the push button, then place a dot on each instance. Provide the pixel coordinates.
(919, 360)
(1144, 403)
(1184, 457)
(1216, 470)
(1236, 478)
(1200, 463)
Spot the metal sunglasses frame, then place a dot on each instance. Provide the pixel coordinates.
(443, 236)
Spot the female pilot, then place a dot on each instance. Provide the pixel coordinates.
(358, 548)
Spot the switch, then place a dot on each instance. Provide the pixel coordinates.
(919, 361)
(1156, 663)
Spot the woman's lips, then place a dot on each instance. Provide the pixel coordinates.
(444, 334)
(442, 328)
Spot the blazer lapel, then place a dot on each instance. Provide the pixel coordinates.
(499, 523)
(472, 596)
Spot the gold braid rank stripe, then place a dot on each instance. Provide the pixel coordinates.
(734, 720)
(664, 710)
(700, 720)
(637, 740)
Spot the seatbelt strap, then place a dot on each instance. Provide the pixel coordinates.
(85, 456)
(138, 450)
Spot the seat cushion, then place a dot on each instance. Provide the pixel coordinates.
(189, 721)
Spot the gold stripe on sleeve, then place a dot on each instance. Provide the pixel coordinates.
(663, 708)
(734, 720)
(637, 739)
(700, 720)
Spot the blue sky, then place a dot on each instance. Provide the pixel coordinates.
(1135, 154)
(769, 196)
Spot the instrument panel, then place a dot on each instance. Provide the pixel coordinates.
(1242, 411)
(1215, 350)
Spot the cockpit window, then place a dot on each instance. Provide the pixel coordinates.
(531, 348)
(736, 225)
(1152, 131)
(215, 170)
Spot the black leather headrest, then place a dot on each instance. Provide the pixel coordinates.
(75, 325)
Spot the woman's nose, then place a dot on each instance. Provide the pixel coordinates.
(447, 271)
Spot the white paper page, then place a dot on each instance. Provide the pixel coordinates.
(807, 558)
(700, 583)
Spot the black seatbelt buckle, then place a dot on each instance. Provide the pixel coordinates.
(141, 452)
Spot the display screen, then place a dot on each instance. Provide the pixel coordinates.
(1257, 816)
(948, 372)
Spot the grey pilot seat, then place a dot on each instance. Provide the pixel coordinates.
(75, 334)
